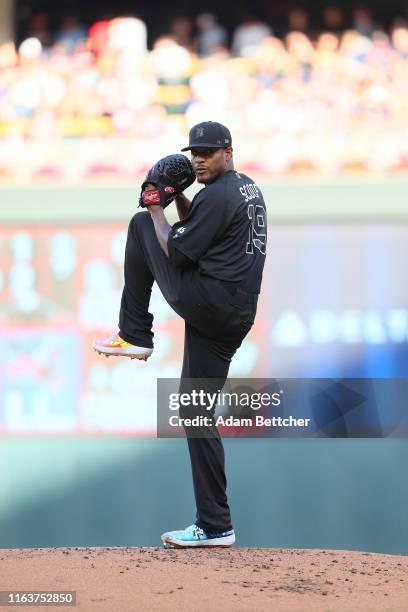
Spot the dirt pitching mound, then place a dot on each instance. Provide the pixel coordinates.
(153, 579)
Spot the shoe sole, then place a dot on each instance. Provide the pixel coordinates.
(111, 353)
(221, 543)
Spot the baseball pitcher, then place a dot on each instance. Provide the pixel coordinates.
(208, 267)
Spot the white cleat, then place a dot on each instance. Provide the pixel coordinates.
(117, 347)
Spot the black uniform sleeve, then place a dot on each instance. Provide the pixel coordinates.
(193, 236)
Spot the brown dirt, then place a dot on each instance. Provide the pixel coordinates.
(244, 579)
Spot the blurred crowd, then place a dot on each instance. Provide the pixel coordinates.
(96, 102)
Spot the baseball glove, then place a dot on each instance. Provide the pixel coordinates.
(170, 175)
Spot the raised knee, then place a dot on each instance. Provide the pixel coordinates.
(141, 217)
(140, 220)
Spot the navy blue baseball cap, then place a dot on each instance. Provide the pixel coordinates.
(209, 134)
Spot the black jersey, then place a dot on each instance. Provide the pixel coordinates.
(225, 231)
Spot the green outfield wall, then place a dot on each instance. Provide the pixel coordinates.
(341, 494)
(381, 199)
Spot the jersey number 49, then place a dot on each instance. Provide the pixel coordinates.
(257, 234)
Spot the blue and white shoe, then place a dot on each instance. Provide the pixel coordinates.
(195, 536)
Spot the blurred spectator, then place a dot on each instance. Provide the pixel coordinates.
(211, 35)
(363, 21)
(39, 28)
(327, 43)
(181, 28)
(333, 19)
(333, 104)
(8, 56)
(172, 66)
(298, 20)
(170, 60)
(127, 39)
(249, 35)
(380, 51)
(301, 50)
(271, 60)
(98, 35)
(399, 38)
(72, 34)
(30, 51)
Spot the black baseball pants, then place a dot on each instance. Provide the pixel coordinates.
(216, 322)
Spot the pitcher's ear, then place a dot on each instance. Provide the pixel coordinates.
(228, 152)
